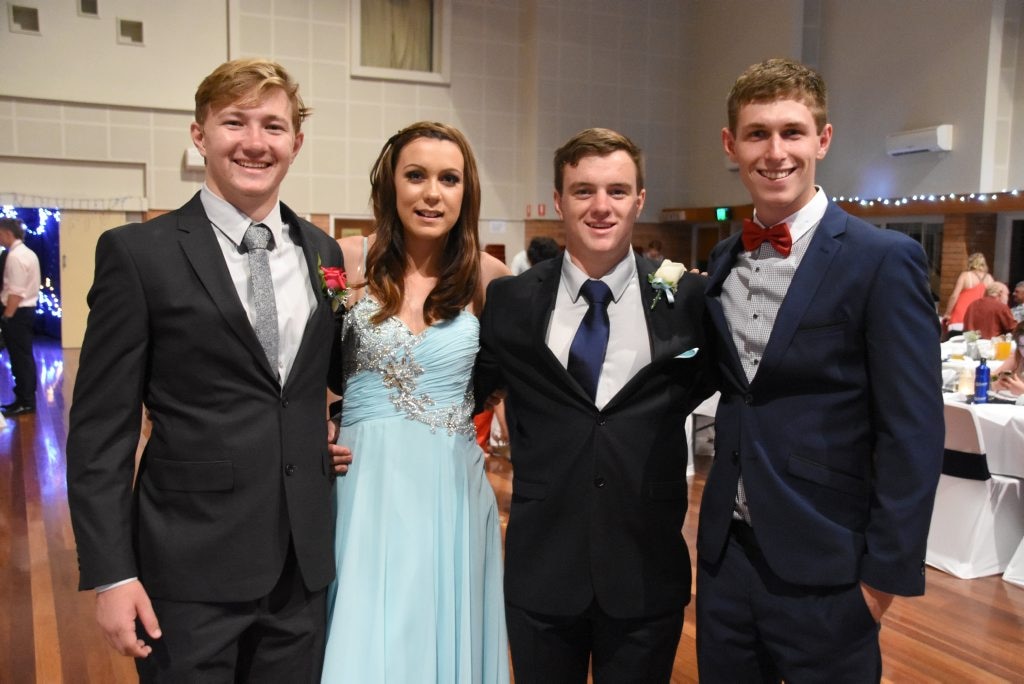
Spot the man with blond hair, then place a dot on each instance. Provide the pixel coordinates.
(211, 558)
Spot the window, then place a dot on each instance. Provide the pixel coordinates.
(929, 234)
(401, 40)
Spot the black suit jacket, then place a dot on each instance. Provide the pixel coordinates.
(235, 465)
(839, 435)
(598, 496)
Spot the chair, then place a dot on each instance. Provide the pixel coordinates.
(978, 519)
(1015, 570)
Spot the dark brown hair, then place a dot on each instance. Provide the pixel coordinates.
(779, 79)
(13, 226)
(249, 79)
(600, 142)
(460, 260)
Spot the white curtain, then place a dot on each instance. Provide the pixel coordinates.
(397, 34)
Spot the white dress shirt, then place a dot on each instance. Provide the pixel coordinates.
(294, 297)
(629, 343)
(21, 275)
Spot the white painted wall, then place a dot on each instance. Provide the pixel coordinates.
(526, 74)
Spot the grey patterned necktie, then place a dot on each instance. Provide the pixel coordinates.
(256, 242)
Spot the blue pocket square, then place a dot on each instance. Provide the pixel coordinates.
(688, 354)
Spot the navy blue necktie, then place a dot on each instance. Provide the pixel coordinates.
(586, 355)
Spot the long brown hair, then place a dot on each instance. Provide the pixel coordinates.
(386, 260)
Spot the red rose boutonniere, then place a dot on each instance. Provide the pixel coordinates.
(332, 283)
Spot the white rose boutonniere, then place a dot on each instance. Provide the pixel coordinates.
(666, 280)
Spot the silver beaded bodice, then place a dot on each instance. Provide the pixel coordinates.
(389, 371)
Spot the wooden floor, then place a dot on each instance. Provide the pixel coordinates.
(961, 631)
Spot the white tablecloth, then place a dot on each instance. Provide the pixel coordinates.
(1002, 428)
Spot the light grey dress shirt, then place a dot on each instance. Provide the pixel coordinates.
(752, 295)
(294, 296)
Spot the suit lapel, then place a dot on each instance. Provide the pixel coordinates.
(203, 252)
(660, 330)
(720, 268)
(549, 279)
(809, 277)
(310, 344)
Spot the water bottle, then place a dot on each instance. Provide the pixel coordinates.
(981, 376)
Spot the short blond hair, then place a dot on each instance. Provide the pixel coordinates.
(247, 81)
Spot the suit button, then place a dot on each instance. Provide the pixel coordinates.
(284, 402)
(748, 399)
(599, 482)
(289, 470)
(735, 457)
(601, 420)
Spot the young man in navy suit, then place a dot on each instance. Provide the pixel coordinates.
(596, 568)
(211, 559)
(829, 433)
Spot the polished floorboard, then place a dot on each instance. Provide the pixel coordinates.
(960, 631)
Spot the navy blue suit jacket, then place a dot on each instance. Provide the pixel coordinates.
(839, 436)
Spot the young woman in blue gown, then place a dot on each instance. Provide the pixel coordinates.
(418, 595)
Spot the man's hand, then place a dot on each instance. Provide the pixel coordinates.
(878, 601)
(341, 456)
(497, 396)
(116, 610)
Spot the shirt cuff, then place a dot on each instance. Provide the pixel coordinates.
(106, 587)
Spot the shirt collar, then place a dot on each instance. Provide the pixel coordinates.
(617, 279)
(233, 223)
(805, 218)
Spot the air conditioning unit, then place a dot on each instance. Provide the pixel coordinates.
(932, 139)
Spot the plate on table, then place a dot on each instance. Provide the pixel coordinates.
(1003, 395)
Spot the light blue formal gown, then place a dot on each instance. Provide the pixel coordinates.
(418, 596)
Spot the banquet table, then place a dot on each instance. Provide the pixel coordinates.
(1002, 429)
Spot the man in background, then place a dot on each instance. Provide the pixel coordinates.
(18, 296)
(1018, 301)
(990, 315)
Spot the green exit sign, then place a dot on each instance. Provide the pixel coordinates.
(723, 213)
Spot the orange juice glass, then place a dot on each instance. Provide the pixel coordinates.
(1002, 349)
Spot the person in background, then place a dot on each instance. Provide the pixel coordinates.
(653, 251)
(601, 369)
(211, 560)
(1009, 376)
(520, 262)
(990, 315)
(1018, 302)
(541, 249)
(418, 596)
(816, 509)
(18, 297)
(970, 287)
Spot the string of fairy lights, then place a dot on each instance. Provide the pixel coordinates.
(49, 299)
(948, 197)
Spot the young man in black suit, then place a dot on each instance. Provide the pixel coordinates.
(595, 563)
(214, 317)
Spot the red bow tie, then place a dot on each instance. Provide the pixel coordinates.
(777, 235)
